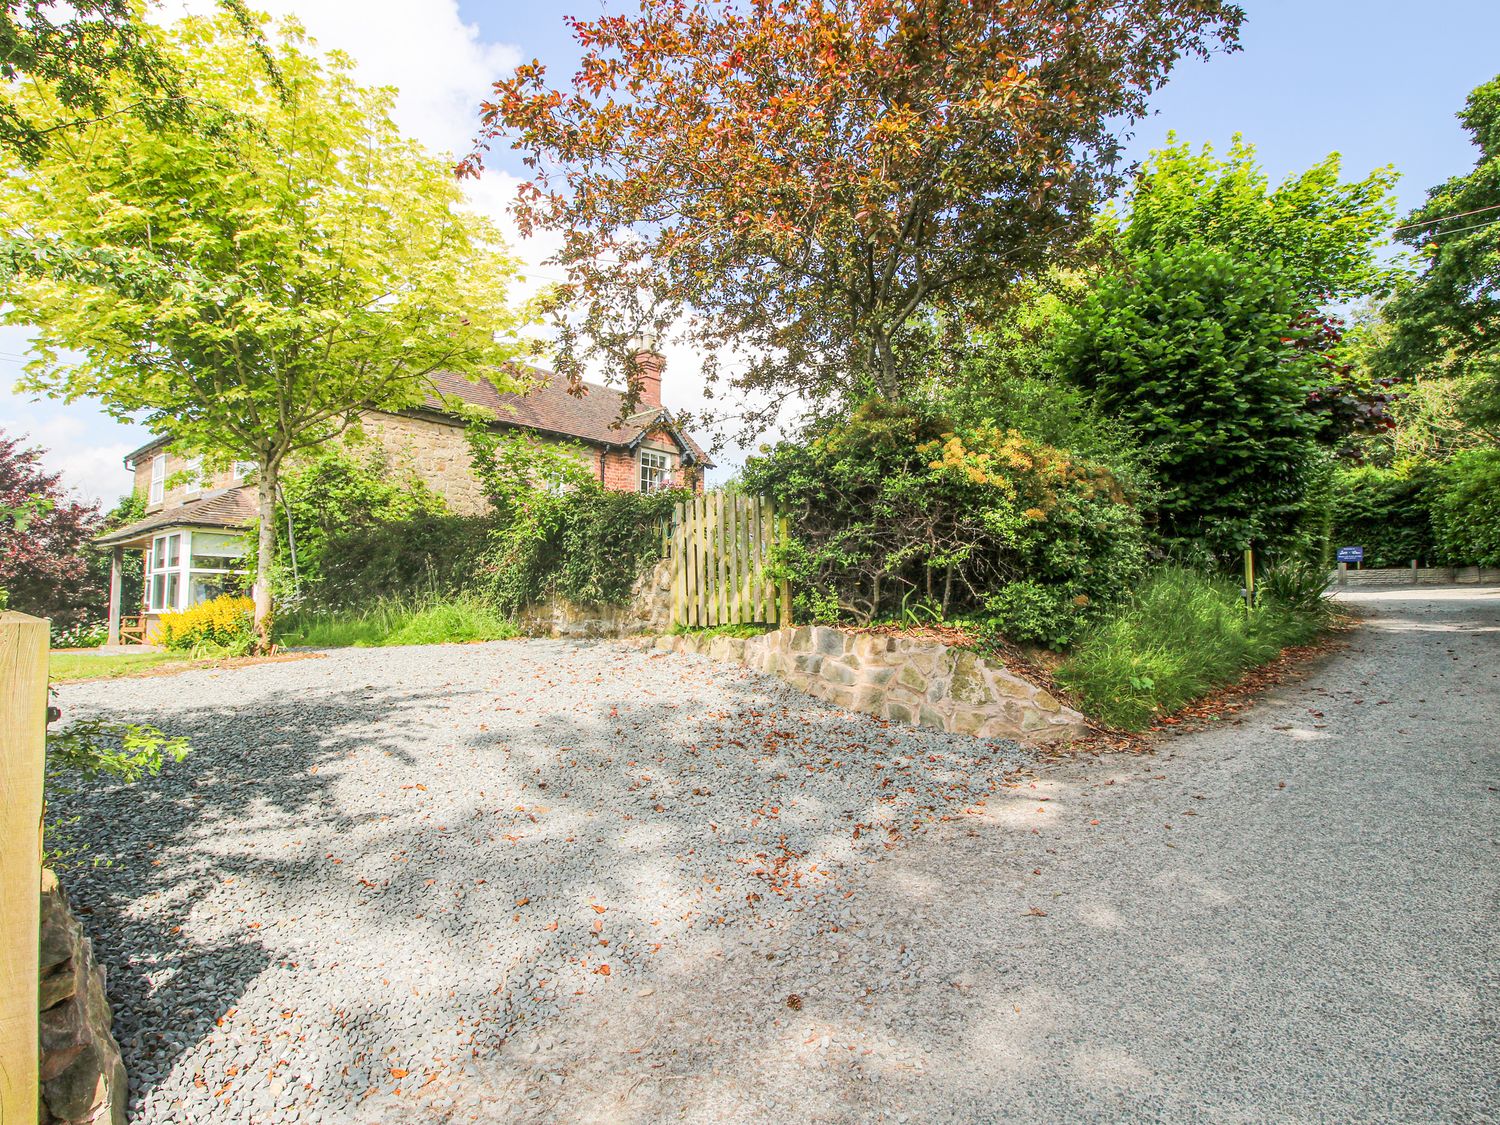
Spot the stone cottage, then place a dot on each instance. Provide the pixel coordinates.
(192, 536)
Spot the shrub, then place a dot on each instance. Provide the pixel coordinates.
(84, 634)
(1385, 511)
(1029, 612)
(588, 544)
(1196, 351)
(1466, 509)
(224, 625)
(893, 508)
(1179, 637)
(341, 501)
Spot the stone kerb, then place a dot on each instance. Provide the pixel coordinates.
(907, 681)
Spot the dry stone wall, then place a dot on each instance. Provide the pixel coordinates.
(902, 679)
(82, 1075)
(649, 610)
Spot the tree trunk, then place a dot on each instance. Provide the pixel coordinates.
(265, 555)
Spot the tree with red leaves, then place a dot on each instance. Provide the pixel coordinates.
(814, 184)
(44, 541)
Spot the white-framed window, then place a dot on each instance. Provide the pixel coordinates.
(186, 567)
(656, 470)
(243, 469)
(194, 484)
(158, 479)
(214, 561)
(164, 573)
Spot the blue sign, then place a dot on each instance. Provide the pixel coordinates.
(1351, 554)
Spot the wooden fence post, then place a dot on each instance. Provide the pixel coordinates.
(23, 733)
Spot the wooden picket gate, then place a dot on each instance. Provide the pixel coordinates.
(720, 544)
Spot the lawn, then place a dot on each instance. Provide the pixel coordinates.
(100, 666)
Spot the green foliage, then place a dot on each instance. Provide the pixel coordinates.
(1029, 612)
(1444, 320)
(283, 273)
(512, 465)
(1385, 511)
(1466, 508)
(342, 502)
(1321, 234)
(1179, 637)
(894, 508)
(90, 751)
(588, 544)
(1295, 585)
(1195, 351)
(429, 620)
(718, 630)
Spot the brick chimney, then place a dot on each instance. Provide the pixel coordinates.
(650, 364)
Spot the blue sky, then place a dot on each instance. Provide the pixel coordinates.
(1378, 81)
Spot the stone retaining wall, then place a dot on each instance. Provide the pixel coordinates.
(649, 610)
(908, 681)
(1422, 576)
(83, 1077)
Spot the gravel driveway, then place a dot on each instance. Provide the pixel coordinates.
(359, 885)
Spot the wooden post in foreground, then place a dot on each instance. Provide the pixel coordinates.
(23, 733)
(1249, 579)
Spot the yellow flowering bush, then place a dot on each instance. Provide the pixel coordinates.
(225, 622)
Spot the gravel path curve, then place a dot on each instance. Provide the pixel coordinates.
(1289, 918)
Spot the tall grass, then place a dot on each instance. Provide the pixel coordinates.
(396, 621)
(1182, 635)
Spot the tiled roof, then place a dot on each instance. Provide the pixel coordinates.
(230, 508)
(593, 416)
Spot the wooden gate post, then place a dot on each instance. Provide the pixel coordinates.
(23, 733)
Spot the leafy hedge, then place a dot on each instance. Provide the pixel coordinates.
(222, 624)
(895, 513)
(1386, 511)
(1466, 509)
(1443, 513)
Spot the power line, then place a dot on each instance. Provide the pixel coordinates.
(1445, 218)
(1462, 230)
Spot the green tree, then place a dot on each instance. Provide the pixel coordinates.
(811, 182)
(1323, 234)
(80, 50)
(1445, 320)
(1196, 350)
(253, 289)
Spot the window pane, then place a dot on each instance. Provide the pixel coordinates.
(172, 585)
(213, 550)
(158, 588)
(174, 542)
(206, 587)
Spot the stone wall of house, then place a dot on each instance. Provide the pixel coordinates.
(649, 610)
(902, 679)
(82, 1075)
(434, 451)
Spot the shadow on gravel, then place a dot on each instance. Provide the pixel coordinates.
(167, 988)
(450, 887)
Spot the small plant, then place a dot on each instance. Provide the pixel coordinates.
(222, 626)
(93, 750)
(1295, 585)
(90, 634)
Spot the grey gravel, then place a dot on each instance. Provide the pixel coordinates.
(386, 881)
(1288, 918)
